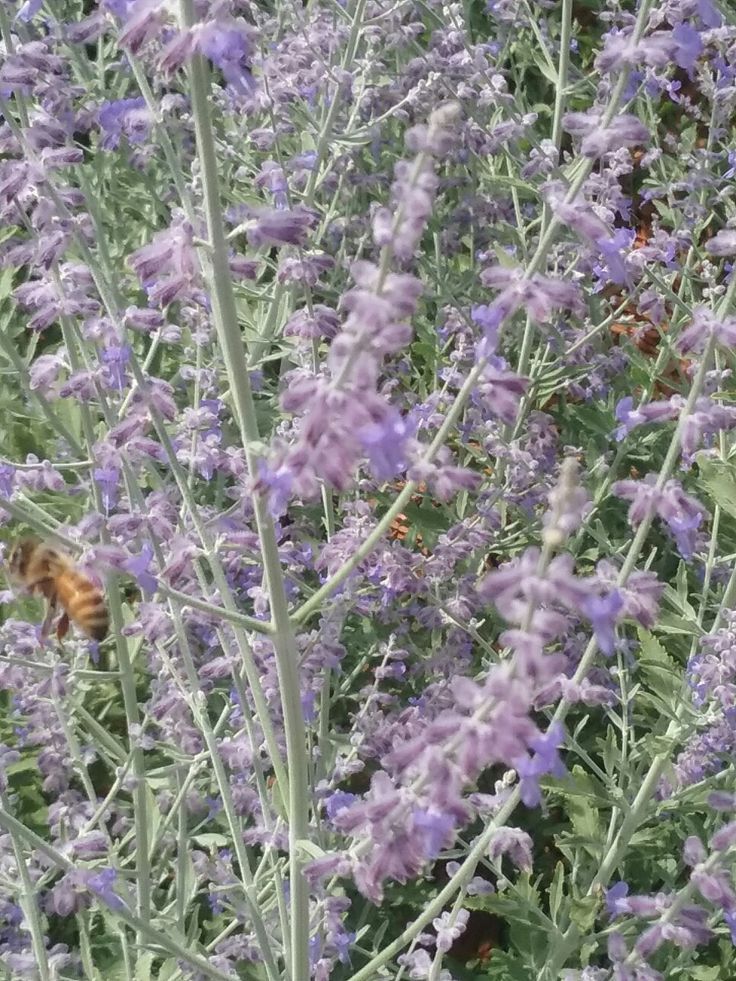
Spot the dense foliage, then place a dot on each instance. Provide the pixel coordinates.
(377, 356)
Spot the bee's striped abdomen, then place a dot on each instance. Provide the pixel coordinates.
(84, 602)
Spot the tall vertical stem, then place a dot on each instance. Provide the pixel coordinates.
(236, 364)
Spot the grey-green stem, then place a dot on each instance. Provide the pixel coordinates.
(236, 364)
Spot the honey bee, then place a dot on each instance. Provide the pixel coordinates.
(43, 570)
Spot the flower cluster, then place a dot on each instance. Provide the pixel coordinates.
(344, 417)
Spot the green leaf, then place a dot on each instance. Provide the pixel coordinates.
(670, 624)
(6, 282)
(193, 929)
(186, 883)
(505, 260)
(310, 849)
(556, 891)
(143, 968)
(153, 814)
(718, 478)
(611, 752)
(425, 517)
(504, 966)
(662, 673)
(426, 350)
(546, 68)
(578, 783)
(580, 794)
(703, 973)
(583, 912)
(666, 212)
(279, 804)
(23, 765)
(168, 969)
(117, 971)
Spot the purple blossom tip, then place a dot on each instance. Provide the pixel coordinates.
(615, 895)
(138, 567)
(723, 243)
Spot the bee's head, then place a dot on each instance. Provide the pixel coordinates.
(20, 555)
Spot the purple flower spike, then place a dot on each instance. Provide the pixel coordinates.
(138, 567)
(227, 44)
(688, 45)
(273, 178)
(626, 130)
(544, 760)
(720, 800)
(384, 443)
(615, 897)
(127, 118)
(725, 837)
(693, 851)
(723, 243)
(704, 325)
(320, 321)
(144, 20)
(629, 417)
(682, 514)
(449, 928)
(101, 885)
(604, 613)
(650, 941)
(274, 226)
(29, 10)
(108, 480)
(115, 358)
(729, 918)
(516, 844)
(7, 758)
(337, 802)
(277, 483)
(490, 319)
(7, 480)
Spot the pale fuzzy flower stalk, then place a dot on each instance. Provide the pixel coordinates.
(568, 505)
(343, 416)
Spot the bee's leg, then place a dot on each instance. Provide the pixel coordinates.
(62, 627)
(48, 620)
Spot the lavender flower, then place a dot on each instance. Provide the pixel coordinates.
(624, 130)
(127, 118)
(568, 503)
(713, 683)
(705, 325)
(319, 321)
(629, 418)
(543, 760)
(681, 513)
(514, 843)
(168, 267)
(449, 928)
(414, 185)
(539, 295)
(280, 226)
(723, 243)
